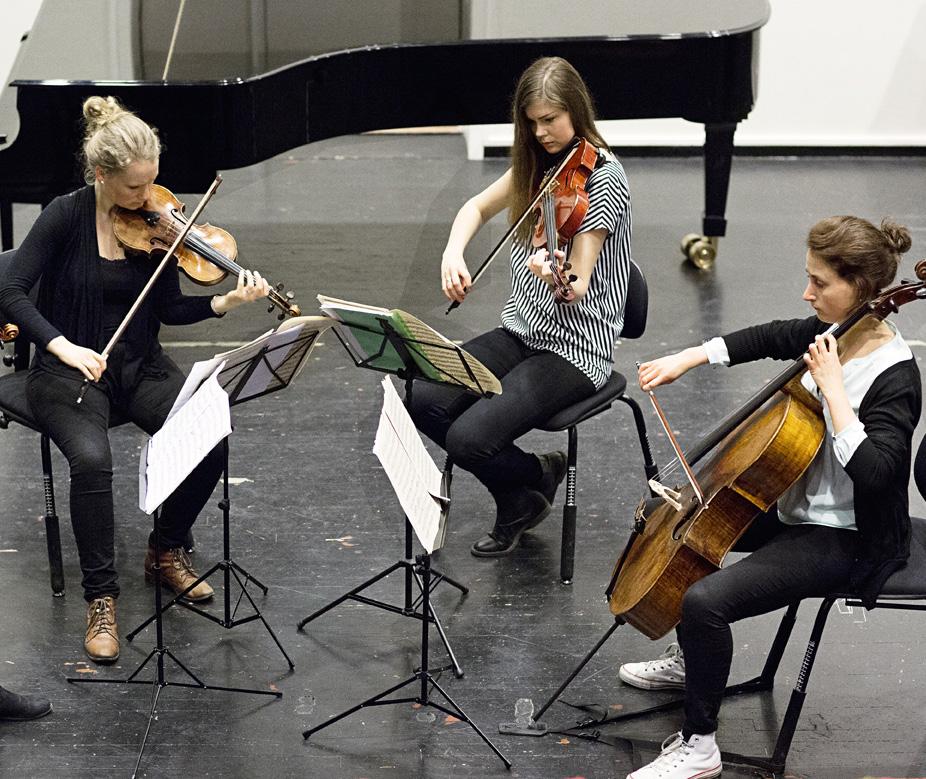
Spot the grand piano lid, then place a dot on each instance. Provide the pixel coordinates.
(657, 19)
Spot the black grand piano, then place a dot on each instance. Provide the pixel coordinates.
(700, 64)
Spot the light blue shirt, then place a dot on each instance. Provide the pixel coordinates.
(824, 494)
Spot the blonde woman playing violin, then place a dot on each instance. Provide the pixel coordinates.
(88, 284)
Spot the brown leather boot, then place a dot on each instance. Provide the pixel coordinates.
(177, 573)
(102, 640)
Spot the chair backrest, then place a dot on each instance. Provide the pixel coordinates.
(637, 305)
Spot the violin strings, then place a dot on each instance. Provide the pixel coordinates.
(216, 257)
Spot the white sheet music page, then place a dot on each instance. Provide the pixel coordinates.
(413, 474)
(184, 440)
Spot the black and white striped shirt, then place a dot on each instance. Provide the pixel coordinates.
(583, 332)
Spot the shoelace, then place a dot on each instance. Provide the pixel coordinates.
(673, 654)
(102, 620)
(674, 748)
(181, 561)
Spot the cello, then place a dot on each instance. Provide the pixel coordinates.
(744, 466)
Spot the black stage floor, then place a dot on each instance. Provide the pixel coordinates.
(312, 513)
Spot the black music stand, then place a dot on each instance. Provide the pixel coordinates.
(160, 681)
(459, 373)
(422, 675)
(257, 369)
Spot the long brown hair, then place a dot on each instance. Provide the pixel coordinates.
(864, 255)
(555, 81)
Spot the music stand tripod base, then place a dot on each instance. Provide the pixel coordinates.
(422, 676)
(158, 653)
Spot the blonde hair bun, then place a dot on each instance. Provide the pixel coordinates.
(115, 137)
(100, 111)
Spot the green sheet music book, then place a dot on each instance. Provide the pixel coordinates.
(438, 358)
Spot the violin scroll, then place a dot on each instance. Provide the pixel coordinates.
(285, 301)
(8, 332)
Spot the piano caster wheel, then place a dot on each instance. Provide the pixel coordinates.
(700, 250)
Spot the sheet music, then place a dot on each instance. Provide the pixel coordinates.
(444, 355)
(411, 471)
(185, 439)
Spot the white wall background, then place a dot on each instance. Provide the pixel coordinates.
(831, 72)
(15, 19)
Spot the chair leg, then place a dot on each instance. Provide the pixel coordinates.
(766, 680)
(568, 548)
(796, 703)
(776, 763)
(649, 464)
(52, 529)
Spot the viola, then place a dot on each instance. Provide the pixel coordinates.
(755, 454)
(569, 208)
(207, 254)
(563, 206)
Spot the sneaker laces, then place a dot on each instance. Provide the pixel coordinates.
(102, 618)
(674, 750)
(672, 656)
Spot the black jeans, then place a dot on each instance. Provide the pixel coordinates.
(81, 432)
(478, 434)
(790, 562)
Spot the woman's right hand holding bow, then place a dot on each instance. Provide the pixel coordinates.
(88, 362)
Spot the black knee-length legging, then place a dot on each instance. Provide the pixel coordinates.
(81, 432)
(790, 562)
(478, 434)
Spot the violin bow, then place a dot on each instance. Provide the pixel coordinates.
(154, 277)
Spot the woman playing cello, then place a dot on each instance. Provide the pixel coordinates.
(88, 284)
(845, 522)
(548, 355)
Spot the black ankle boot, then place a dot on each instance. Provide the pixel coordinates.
(22, 707)
(553, 467)
(516, 513)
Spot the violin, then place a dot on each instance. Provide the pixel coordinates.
(569, 208)
(756, 454)
(207, 254)
(563, 206)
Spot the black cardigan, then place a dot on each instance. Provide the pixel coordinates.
(879, 467)
(61, 249)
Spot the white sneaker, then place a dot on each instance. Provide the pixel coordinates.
(698, 758)
(665, 672)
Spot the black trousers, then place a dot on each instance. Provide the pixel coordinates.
(478, 434)
(790, 563)
(81, 432)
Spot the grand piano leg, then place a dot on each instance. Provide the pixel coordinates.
(701, 250)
